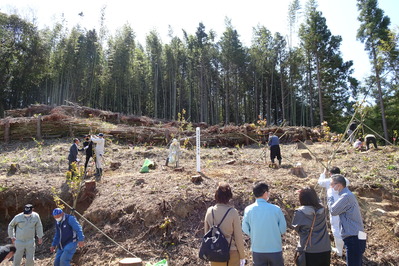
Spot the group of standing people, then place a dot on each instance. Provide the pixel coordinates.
(97, 153)
(26, 226)
(265, 224)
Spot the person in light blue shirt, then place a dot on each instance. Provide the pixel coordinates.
(264, 223)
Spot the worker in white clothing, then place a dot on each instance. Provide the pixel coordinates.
(174, 153)
(22, 230)
(99, 153)
(325, 182)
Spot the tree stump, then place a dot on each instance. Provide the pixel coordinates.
(300, 146)
(306, 155)
(299, 172)
(14, 167)
(89, 192)
(308, 142)
(115, 166)
(131, 262)
(196, 179)
(179, 169)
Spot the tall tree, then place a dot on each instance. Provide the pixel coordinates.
(22, 63)
(233, 58)
(373, 31)
(326, 65)
(154, 52)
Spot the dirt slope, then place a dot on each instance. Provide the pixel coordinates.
(160, 214)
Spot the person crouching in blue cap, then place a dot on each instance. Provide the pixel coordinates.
(68, 236)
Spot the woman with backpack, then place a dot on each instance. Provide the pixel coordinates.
(228, 219)
(309, 221)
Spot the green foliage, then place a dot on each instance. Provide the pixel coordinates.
(56, 198)
(74, 179)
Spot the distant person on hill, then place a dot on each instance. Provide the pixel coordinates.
(68, 236)
(274, 144)
(99, 152)
(351, 132)
(310, 223)
(351, 223)
(264, 223)
(6, 252)
(22, 230)
(231, 225)
(334, 220)
(370, 138)
(88, 147)
(73, 153)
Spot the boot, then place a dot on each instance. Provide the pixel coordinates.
(98, 174)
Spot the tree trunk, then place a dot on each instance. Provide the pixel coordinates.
(378, 81)
(320, 90)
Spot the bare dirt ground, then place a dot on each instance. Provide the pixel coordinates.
(160, 214)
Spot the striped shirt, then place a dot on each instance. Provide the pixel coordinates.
(348, 210)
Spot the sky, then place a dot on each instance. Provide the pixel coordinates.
(161, 15)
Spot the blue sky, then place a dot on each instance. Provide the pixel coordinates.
(146, 15)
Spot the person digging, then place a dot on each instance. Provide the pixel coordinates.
(274, 144)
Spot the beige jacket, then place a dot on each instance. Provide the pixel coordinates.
(24, 229)
(230, 226)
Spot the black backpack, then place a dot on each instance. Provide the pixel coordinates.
(214, 246)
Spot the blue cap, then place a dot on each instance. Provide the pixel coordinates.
(101, 134)
(57, 211)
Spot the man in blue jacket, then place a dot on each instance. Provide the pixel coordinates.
(264, 223)
(68, 236)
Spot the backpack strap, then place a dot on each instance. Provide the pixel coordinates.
(213, 217)
(310, 233)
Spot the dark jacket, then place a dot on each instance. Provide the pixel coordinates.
(73, 153)
(66, 231)
(302, 222)
(89, 145)
(4, 250)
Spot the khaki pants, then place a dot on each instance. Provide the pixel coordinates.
(27, 247)
(234, 260)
